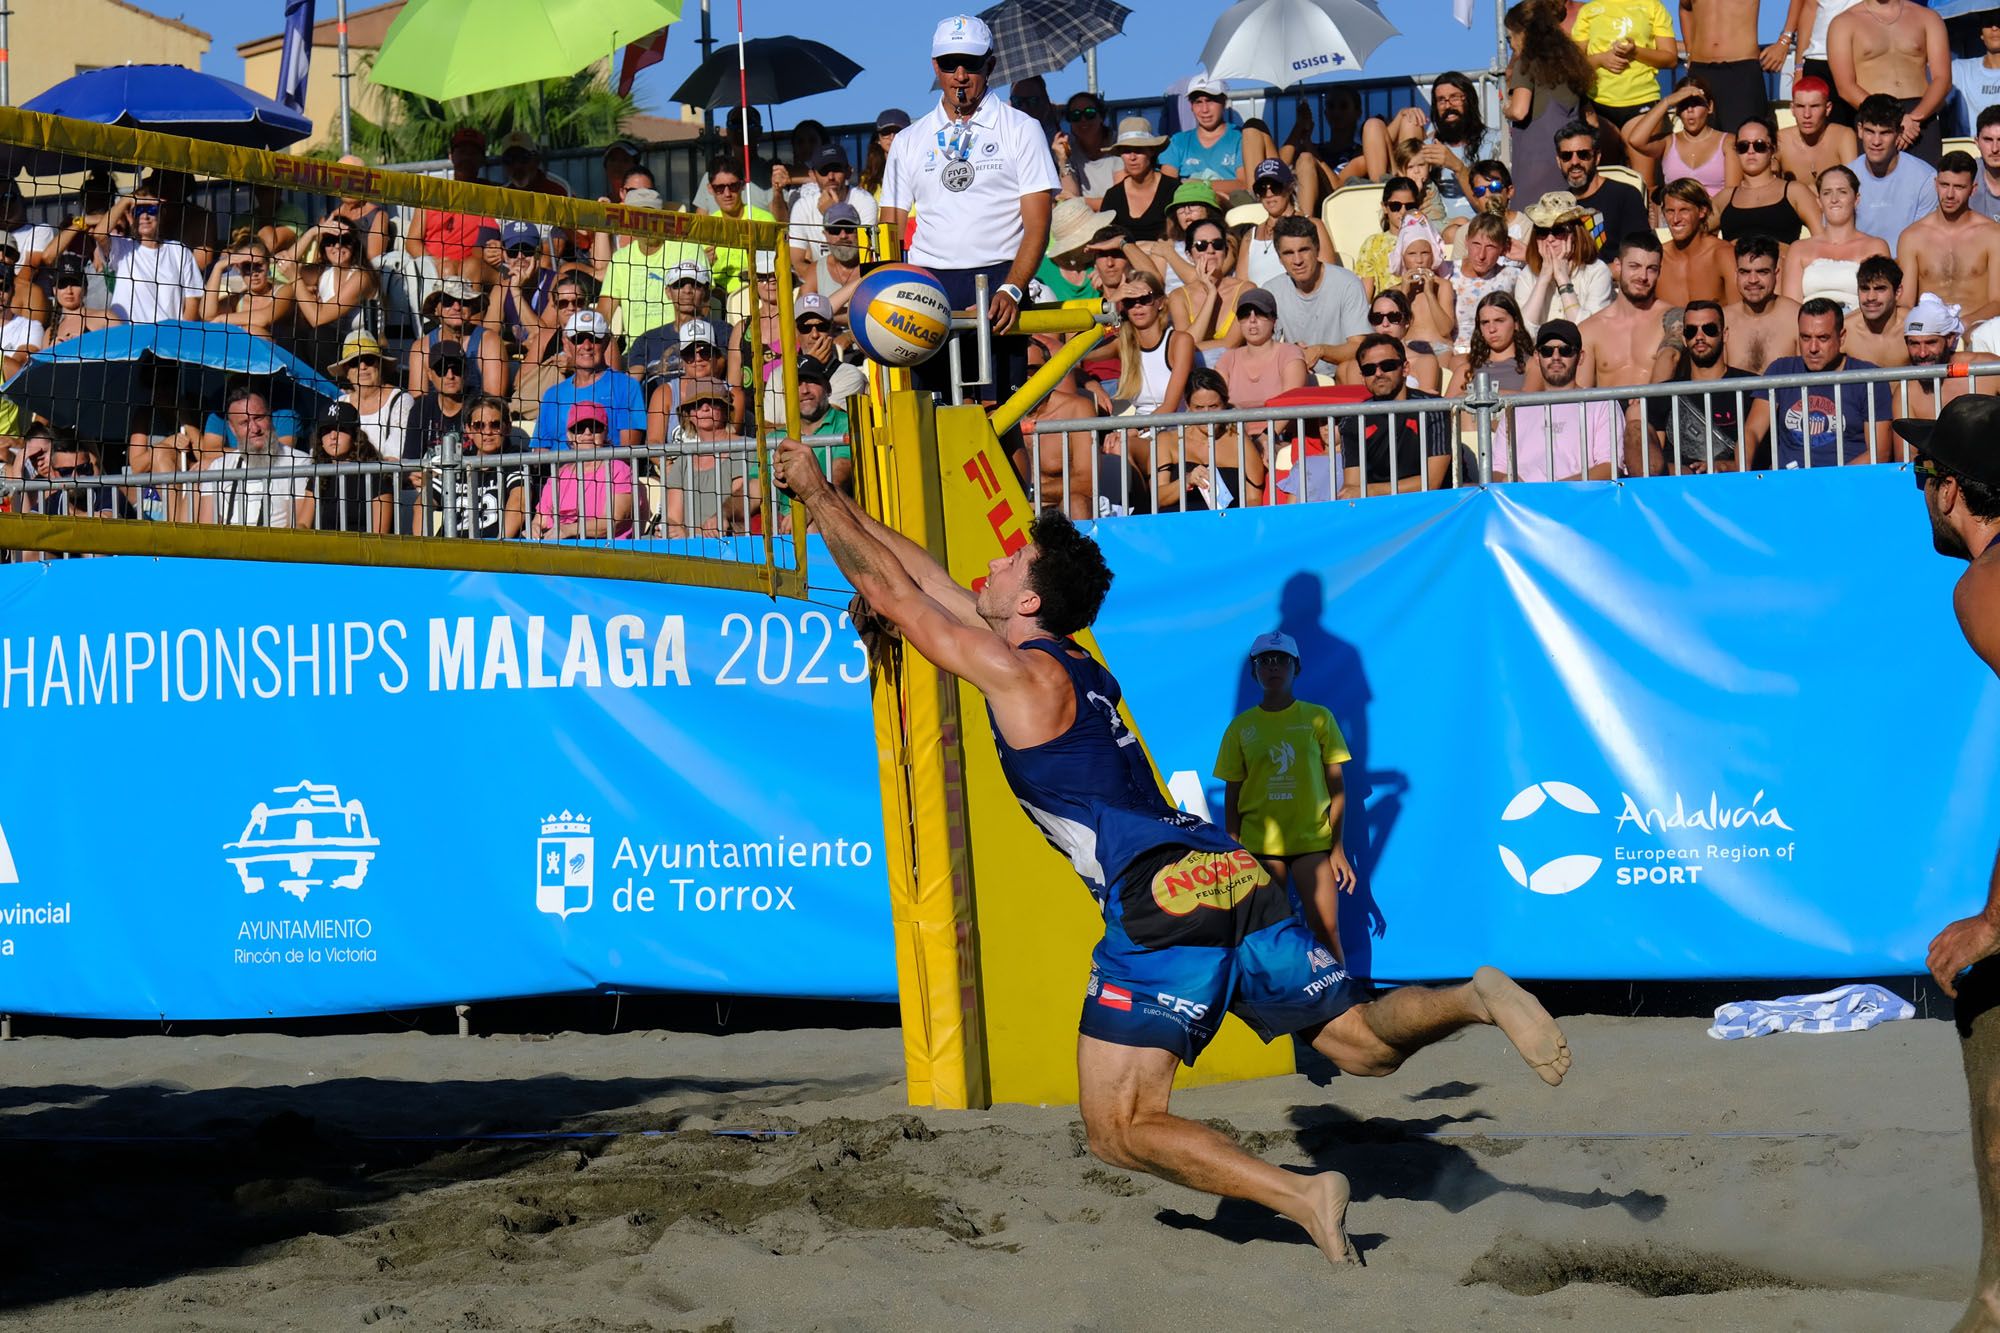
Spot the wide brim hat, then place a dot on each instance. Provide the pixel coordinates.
(458, 289)
(355, 346)
(1554, 209)
(1137, 132)
(1075, 224)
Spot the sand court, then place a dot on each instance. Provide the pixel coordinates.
(261, 1182)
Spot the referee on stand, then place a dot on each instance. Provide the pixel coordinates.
(978, 175)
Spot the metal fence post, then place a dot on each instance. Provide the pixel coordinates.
(1484, 400)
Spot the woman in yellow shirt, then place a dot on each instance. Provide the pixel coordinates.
(1626, 42)
(1283, 797)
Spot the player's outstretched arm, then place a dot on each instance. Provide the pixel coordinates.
(974, 653)
(918, 563)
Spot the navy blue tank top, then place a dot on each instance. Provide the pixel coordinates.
(1091, 790)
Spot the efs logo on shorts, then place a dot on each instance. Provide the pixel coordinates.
(1219, 880)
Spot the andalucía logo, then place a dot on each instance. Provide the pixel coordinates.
(312, 840)
(565, 865)
(1654, 845)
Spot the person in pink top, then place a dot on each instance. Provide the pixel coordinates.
(1261, 368)
(588, 499)
(1566, 441)
(1698, 150)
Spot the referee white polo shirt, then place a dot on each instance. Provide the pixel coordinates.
(968, 215)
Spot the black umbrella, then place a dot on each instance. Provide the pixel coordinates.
(779, 70)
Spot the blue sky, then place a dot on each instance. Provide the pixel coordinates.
(1162, 42)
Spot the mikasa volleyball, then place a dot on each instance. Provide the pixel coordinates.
(900, 314)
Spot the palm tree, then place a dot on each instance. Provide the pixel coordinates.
(578, 111)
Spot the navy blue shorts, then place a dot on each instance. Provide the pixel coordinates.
(1279, 980)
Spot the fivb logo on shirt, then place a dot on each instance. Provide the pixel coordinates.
(566, 865)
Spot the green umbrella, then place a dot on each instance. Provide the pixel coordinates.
(443, 49)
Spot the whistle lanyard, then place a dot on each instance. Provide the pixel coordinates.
(958, 147)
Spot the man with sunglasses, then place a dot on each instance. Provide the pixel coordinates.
(84, 494)
(1622, 208)
(1087, 167)
(818, 335)
(1386, 452)
(831, 188)
(1958, 471)
(979, 176)
(1696, 433)
(585, 335)
(1954, 251)
(152, 278)
(441, 410)
(526, 282)
(1561, 441)
(838, 269)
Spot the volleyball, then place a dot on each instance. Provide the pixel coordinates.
(900, 314)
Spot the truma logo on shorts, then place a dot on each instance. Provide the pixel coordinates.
(1667, 844)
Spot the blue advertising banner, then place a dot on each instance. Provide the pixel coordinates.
(1721, 727)
(1716, 728)
(242, 790)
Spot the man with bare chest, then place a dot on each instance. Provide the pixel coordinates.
(1763, 326)
(1876, 332)
(1816, 141)
(1721, 40)
(1625, 336)
(1954, 252)
(1900, 49)
(1932, 334)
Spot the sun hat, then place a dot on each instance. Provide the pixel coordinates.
(1554, 209)
(353, 347)
(1137, 132)
(1195, 192)
(1075, 224)
(457, 289)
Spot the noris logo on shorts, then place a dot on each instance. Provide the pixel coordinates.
(1207, 879)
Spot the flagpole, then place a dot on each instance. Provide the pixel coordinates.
(6, 85)
(743, 95)
(340, 32)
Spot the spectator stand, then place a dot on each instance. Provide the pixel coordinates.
(191, 247)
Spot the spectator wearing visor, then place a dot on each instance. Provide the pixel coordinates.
(831, 187)
(458, 313)
(586, 337)
(592, 499)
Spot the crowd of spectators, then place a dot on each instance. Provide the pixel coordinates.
(1505, 251)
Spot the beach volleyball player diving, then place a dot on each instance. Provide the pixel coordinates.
(1193, 926)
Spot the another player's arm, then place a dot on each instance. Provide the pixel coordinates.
(1965, 942)
(977, 656)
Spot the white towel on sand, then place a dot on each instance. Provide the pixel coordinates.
(1843, 1009)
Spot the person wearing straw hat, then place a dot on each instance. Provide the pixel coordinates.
(456, 312)
(979, 178)
(705, 486)
(1563, 278)
(1139, 201)
(1065, 272)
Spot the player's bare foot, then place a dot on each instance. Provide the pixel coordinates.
(1326, 1217)
(1528, 1025)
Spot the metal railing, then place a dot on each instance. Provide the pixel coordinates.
(1105, 466)
(627, 495)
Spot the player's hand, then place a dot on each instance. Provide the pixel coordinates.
(1960, 945)
(797, 471)
(1343, 870)
(1002, 312)
(1773, 58)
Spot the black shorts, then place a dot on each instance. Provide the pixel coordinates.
(1739, 88)
(1978, 995)
(1621, 116)
(1840, 112)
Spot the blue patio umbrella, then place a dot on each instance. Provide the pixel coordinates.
(92, 383)
(175, 100)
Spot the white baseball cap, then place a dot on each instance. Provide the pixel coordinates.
(587, 321)
(690, 270)
(1209, 84)
(961, 35)
(1275, 642)
(699, 331)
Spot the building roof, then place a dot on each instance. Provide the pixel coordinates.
(187, 28)
(365, 30)
(659, 129)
